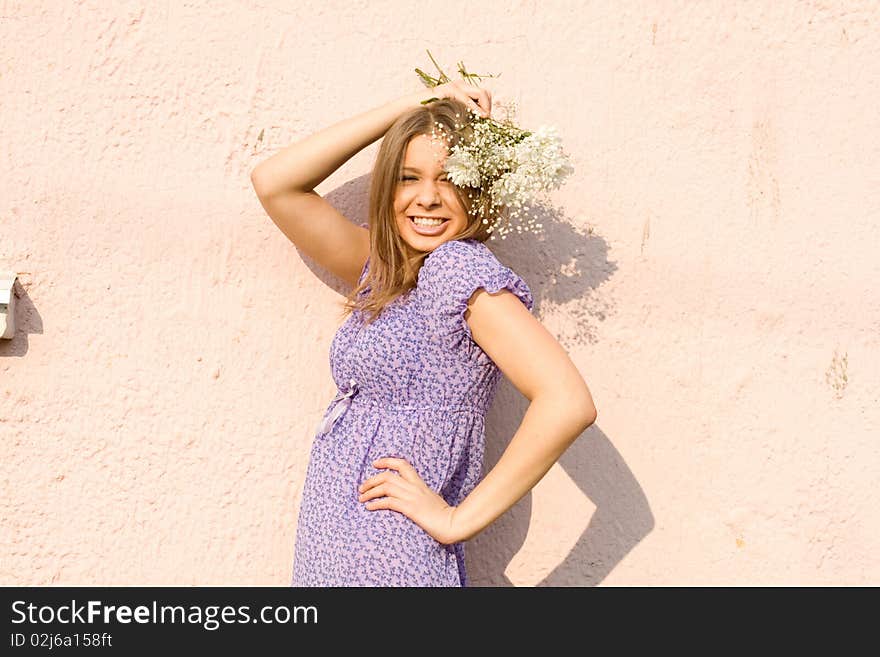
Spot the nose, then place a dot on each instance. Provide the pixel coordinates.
(429, 194)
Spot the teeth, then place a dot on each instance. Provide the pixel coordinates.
(425, 221)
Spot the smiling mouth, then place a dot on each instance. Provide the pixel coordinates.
(428, 221)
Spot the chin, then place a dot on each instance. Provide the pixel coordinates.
(422, 243)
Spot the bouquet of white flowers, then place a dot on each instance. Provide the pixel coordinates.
(505, 169)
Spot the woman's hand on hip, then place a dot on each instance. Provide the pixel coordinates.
(401, 489)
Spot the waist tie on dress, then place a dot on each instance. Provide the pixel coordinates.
(340, 404)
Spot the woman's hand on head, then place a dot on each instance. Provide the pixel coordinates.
(476, 98)
(401, 489)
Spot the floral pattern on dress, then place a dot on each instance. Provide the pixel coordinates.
(421, 390)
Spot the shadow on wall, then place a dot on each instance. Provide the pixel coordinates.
(563, 267)
(622, 517)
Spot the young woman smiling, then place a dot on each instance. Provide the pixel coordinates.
(394, 484)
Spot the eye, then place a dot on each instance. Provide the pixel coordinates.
(408, 178)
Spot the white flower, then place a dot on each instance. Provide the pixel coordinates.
(462, 168)
(512, 167)
(540, 157)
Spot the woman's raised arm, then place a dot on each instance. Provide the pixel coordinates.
(285, 182)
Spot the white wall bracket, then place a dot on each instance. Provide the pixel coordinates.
(7, 304)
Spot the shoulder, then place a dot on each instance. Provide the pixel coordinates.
(457, 268)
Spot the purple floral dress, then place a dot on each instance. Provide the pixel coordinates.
(412, 385)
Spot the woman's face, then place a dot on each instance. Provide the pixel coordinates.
(424, 192)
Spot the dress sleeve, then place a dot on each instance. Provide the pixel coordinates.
(454, 271)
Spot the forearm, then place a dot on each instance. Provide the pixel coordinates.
(303, 165)
(549, 426)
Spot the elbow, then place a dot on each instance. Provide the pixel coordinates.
(589, 414)
(262, 182)
(576, 406)
(255, 179)
(593, 418)
(586, 410)
(582, 411)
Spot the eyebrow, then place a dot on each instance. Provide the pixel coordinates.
(417, 170)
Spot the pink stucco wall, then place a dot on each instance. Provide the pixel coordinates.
(714, 278)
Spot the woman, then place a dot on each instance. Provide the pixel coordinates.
(394, 483)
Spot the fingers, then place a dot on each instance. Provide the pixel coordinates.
(385, 479)
(486, 101)
(382, 490)
(391, 503)
(400, 465)
(476, 98)
(483, 104)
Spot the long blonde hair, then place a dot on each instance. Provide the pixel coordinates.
(394, 264)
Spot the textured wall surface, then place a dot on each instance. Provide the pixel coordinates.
(713, 274)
